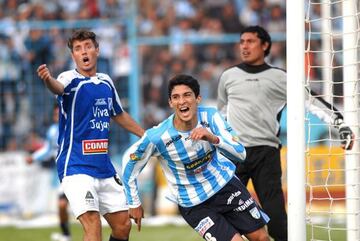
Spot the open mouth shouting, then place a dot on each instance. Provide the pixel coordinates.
(185, 112)
(86, 60)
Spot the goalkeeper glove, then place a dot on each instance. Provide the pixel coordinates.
(346, 135)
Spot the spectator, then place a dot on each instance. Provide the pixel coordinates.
(10, 75)
(39, 50)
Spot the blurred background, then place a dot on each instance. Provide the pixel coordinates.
(142, 45)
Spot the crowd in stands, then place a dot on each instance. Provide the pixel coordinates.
(26, 104)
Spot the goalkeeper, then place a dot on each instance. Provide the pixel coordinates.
(254, 94)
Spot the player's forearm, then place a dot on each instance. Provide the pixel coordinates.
(233, 150)
(128, 123)
(54, 86)
(229, 144)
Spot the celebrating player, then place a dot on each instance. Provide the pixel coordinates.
(194, 146)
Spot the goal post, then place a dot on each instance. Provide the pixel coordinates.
(351, 103)
(323, 181)
(295, 120)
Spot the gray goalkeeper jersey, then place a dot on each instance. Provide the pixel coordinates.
(253, 98)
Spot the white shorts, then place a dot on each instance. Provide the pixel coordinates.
(86, 193)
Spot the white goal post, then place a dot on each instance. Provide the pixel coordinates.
(295, 36)
(327, 169)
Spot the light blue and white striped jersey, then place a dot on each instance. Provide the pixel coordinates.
(50, 148)
(195, 170)
(85, 110)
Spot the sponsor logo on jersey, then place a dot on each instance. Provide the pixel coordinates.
(252, 79)
(255, 212)
(199, 163)
(174, 139)
(204, 225)
(99, 125)
(204, 123)
(100, 101)
(90, 147)
(99, 112)
(232, 196)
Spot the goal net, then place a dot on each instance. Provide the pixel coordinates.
(332, 32)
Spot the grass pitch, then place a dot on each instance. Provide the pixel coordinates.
(148, 233)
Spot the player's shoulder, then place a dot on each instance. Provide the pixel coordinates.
(103, 76)
(157, 131)
(207, 109)
(70, 74)
(276, 73)
(276, 69)
(230, 69)
(207, 114)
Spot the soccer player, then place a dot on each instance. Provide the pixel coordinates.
(194, 146)
(45, 159)
(254, 94)
(87, 101)
(46, 156)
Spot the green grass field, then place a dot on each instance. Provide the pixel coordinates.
(148, 233)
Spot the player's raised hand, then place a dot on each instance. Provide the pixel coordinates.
(201, 133)
(53, 85)
(137, 214)
(44, 72)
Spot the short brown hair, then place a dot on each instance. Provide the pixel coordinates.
(81, 35)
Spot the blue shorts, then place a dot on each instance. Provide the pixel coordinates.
(232, 210)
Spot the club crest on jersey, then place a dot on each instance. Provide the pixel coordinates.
(255, 212)
(91, 147)
(134, 157)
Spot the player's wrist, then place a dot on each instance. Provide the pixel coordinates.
(216, 140)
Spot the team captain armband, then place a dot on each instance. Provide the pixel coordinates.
(91, 147)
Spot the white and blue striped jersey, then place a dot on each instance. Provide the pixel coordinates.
(195, 170)
(86, 107)
(50, 148)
